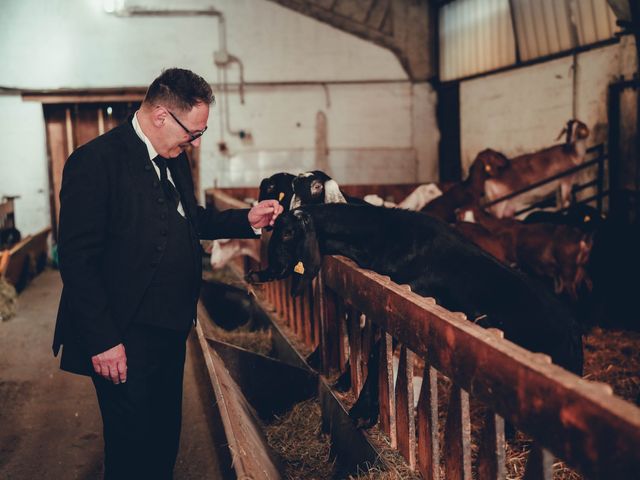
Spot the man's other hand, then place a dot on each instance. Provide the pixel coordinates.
(111, 364)
(264, 213)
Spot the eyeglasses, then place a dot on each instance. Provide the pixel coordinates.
(192, 136)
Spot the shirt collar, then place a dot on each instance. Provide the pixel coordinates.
(138, 129)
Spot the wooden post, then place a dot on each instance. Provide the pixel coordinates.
(539, 464)
(491, 454)
(386, 395)
(406, 425)
(457, 436)
(368, 335)
(428, 442)
(343, 341)
(355, 350)
(326, 310)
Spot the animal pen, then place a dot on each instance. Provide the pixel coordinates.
(489, 383)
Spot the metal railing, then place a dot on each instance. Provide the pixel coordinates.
(598, 183)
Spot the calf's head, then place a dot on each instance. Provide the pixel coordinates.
(574, 130)
(293, 250)
(316, 187)
(278, 186)
(491, 161)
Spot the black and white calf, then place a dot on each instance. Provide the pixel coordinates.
(278, 186)
(316, 187)
(435, 261)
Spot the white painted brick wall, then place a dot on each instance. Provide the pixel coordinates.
(371, 127)
(523, 110)
(23, 169)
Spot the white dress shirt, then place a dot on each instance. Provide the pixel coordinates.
(153, 154)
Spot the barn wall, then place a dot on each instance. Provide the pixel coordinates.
(375, 125)
(523, 110)
(23, 166)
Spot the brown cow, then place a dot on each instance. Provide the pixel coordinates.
(558, 252)
(520, 172)
(465, 194)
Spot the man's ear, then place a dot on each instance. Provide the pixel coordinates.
(332, 193)
(309, 256)
(158, 116)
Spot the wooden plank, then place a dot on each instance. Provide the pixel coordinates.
(134, 94)
(314, 314)
(329, 330)
(252, 458)
(271, 386)
(6, 208)
(579, 422)
(298, 303)
(343, 341)
(355, 350)
(58, 152)
(540, 464)
(491, 454)
(457, 437)
(406, 422)
(367, 343)
(85, 124)
(427, 431)
(291, 321)
(386, 396)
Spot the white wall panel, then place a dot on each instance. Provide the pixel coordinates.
(75, 44)
(523, 110)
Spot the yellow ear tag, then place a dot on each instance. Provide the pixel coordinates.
(587, 218)
(281, 196)
(299, 268)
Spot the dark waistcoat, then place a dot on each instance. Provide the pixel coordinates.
(168, 301)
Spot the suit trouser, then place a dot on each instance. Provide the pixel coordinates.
(142, 417)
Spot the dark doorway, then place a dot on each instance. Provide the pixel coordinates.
(448, 115)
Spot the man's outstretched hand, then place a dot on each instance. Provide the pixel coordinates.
(264, 213)
(111, 364)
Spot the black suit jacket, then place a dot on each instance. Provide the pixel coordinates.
(110, 242)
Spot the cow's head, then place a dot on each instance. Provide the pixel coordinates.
(490, 162)
(293, 250)
(574, 130)
(316, 187)
(278, 186)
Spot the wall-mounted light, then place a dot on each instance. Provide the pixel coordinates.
(112, 6)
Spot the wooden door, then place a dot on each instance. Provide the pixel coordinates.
(70, 125)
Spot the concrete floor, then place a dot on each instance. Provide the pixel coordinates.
(50, 425)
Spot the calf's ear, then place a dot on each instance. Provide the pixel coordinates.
(309, 257)
(332, 193)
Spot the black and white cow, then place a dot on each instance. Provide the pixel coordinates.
(432, 258)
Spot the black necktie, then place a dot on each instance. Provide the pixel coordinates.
(170, 191)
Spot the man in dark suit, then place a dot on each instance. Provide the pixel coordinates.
(130, 262)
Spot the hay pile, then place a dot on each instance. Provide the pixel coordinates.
(613, 357)
(8, 300)
(297, 437)
(258, 341)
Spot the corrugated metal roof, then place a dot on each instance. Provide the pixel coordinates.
(475, 36)
(478, 35)
(544, 27)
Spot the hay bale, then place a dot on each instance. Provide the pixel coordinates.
(298, 438)
(8, 300)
